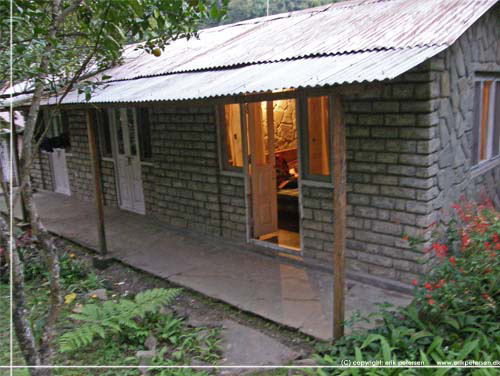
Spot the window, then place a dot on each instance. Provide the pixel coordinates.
(317, 140)
(104, 133)
(131, 118)
(232, 151)
(57, 135)
(486, 130)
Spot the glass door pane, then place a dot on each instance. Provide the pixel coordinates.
(131, 130)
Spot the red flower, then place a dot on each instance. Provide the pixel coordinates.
(495, 238)
(452, 261)
(497, 247)
(441, 251)
(436, 246)
(486, 245)
(428, 296)
(485, 296)
(487, 270)
(405, 237)
(428, 286)
(465, 240)
(414, 282)
(431, 302)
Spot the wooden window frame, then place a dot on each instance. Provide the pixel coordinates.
(221, 129)
(486, 135)
(303, 142)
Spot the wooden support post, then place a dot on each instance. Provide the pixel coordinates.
(339, 210)
(15, 151)
(96, 169)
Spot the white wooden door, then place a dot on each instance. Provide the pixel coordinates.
(60, 171)
(262, 168)
(128, 161)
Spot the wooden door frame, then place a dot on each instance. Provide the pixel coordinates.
(248, 184)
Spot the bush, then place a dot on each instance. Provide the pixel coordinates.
(454, 315)
(75, 274)
(112, 317)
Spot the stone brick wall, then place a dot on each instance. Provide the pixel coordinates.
(476, 52)
(41, 172)
(185, 188)
(285, 127)
(79, 168)
(392, 152)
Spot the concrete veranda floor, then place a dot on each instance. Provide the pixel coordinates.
(270, 286)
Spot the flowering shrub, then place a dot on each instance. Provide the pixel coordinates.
(454, 315)
(467, 279)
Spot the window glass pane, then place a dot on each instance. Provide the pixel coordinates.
(131, 131)
(496, 122)
(318, 136)
(119, 132)
(484, 120)
(232, 135)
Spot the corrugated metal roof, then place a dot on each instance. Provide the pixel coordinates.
(351, 26)
(301, 73)
(351, 41)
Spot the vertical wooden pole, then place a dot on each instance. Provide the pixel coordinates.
(339, 210)
(15, 151)
(96, 169)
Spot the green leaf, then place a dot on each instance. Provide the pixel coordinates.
(386, 350)
(214, 11)
(371, 338)
(452, 322)
(424, 358)
(466, 350)
(435, 343)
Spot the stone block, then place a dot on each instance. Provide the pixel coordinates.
(401, 192)
(386, 107)
(400, 119)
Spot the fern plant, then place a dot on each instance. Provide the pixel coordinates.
(112, 317)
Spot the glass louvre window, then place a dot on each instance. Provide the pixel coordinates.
(232, 144)
(486, 129)
(318, 136)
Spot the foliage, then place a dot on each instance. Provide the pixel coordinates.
(239, 10)
(91, 28)
(75, 275)
(113, 317)
(454, 315)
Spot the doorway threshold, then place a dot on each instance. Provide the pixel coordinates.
(277, 247)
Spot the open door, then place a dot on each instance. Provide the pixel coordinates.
(262, 168)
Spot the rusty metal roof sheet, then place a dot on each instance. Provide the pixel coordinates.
(293, 74)
(345, 27)
(351, 41)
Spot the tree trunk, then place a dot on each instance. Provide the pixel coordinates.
(22, 327)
